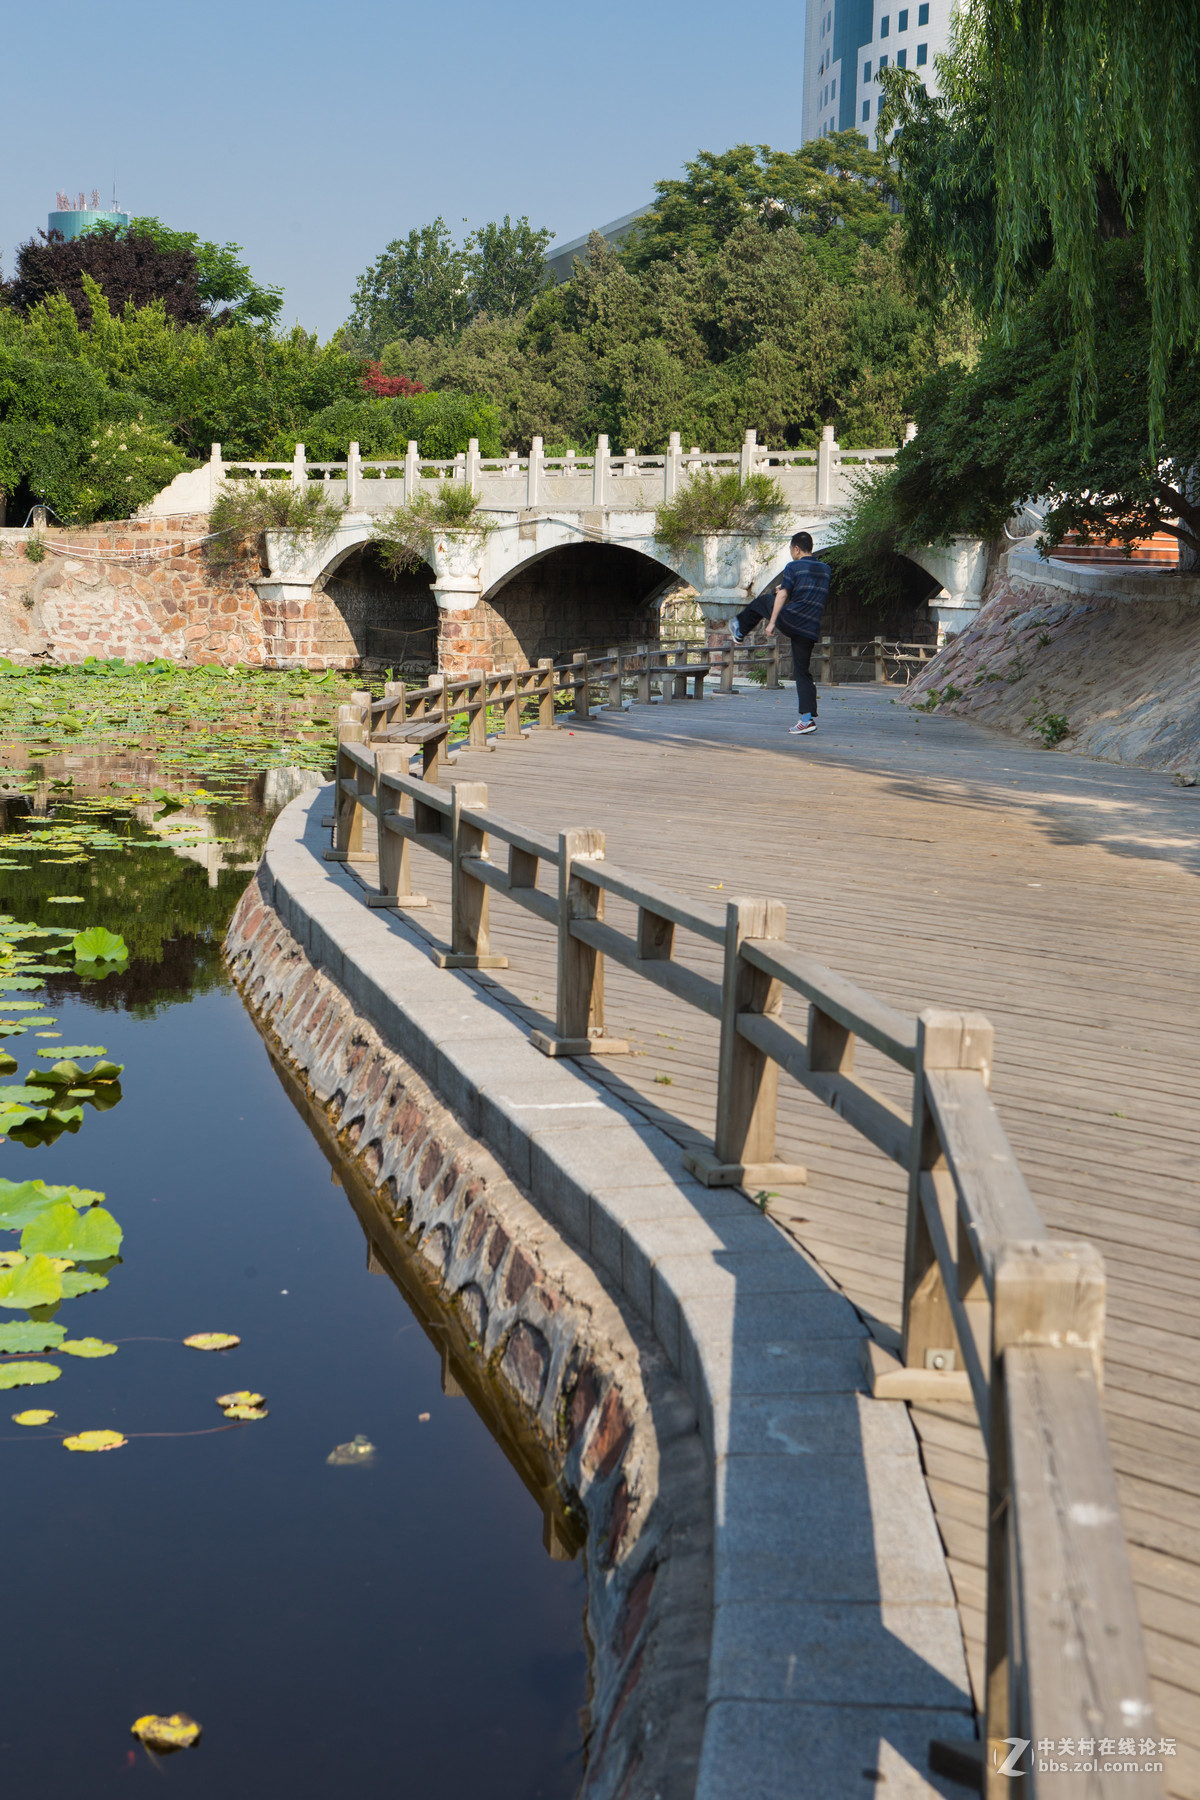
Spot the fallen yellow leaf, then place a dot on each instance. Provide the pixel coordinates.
(95, 1440)
(212, 1340)
(177, 1731)
(36, 1415)
(245, 1412)
(243, 1397)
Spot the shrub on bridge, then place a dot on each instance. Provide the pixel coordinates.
(244, 509)
(720, 503)
(403, 535)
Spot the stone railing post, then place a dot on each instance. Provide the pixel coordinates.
(473, 465)
(746, 456)
(216, 472)
(353, 477)
(412, 474)
(910, 431)
(827, 457)
(600, 472)
(459, 472)
(533, 491)
(299, 468)
(630, 468)
(673, 469)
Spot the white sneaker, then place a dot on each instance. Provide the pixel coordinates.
(734, 632)
(800, 729)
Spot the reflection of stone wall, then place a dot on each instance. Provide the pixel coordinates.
(139, 589)
(586, 597)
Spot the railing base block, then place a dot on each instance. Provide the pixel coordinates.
(549, 1045)
(328, 821)
(961, 1761)
(348, 856)
(461, 959)
(705, 1167)
(889, 1379)
(396, 899)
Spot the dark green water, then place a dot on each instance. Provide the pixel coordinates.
(366, 1631)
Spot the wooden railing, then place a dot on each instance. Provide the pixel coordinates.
(994, 1310)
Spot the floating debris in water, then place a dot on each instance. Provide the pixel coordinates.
(358, 1450)
(177, 1731)
(243, 1404)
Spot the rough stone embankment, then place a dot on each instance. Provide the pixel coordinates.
(835, 1645)
(1104, 662)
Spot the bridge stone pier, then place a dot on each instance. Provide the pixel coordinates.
(565, 554)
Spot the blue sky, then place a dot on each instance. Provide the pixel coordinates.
(312, 134)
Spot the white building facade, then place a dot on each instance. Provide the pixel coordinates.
(847, 42)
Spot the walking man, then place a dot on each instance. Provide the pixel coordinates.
(795, 608)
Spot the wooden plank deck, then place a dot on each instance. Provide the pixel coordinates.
(935, 863)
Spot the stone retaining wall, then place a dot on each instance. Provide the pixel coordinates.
(615, 1427)
(1114, 655)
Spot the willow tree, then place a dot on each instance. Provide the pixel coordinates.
(1097, 130)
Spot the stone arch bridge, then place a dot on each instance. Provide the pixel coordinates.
(568, 551)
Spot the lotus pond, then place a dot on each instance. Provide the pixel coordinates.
(297, 1534)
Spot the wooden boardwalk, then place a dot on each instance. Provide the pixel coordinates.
(936, 863)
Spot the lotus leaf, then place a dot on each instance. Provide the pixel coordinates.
(29, 1097)
(66, 900)
(8, 1064)
(243, 1397)
(94, 1440)
(81, 1281)
(61, 1231)
(9, 983)
(36, 1415)
(23, 1201)
(99, 945)
(178, 1731)
(71, 1050)
(28, 1335)
(87, 1347)
(245, 1412)
(10, 1258)
(358, 1451)
(61, 1263)
(212, 1340)
(34, 1283)
(27, 1374)
(106, 1071)
(27, 1006)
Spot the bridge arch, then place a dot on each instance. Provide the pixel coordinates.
(582, 595)
(366, 614)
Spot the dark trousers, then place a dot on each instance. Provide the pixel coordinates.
(802, 649)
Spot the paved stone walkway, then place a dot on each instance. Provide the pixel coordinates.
(937, 863)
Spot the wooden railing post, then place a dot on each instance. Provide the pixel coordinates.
(510, 701)
(615, 700)
(643, 674)
(773, 662)
(476, 698)
(880, 669)
(395, 871)
(469, 944)
(743, 1153)
(825, 661)
(579, 1005)
(583, 699)
(727, 654)
(929, 1342)
(545, 693)
(349, 782)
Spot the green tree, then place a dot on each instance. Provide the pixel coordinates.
(227, 289)
(834, 190)
(1097, 130)
(420, 286)
(507, 267)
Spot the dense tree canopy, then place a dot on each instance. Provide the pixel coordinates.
(426, 286)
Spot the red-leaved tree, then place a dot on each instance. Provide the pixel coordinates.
(388, 387)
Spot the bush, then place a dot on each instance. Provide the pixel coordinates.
(245, 509)
(442, 424)
(129, 463)
(403, 534)
(719, 503)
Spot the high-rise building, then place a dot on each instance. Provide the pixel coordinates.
(847, 42)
